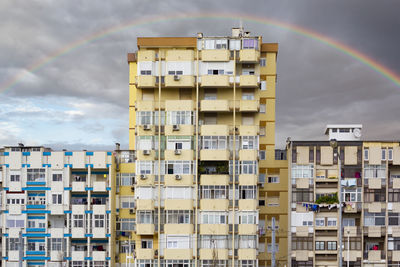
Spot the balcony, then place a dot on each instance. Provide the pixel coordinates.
(215, 81)
(215, 55)
(374, 255)
(208, 254)
(396, 183)
(179, 55)
(248, 81)
(178, 204)
(214, 154)
(214, 130)
(352, 231)
(214, 229)
(178, 180)
(78, 186)
(178, 254)
(145, 253)
(374, 231)
(353, 207)
(394, 231)
(145, 105)
(302, 183)
(247, 229)
(175, 105)
(99, 186)
(302, 255)
(99, 255)
(78, 255)
(214, 179)
(145, 204)
(375, 183)
(248, 154)
(249, 106)
(302, 231)
(249, 56)
(214, 204)
(214, 105)
(181, 81)
(179, 154)
(247, 254)
(248, 130)
(146, 154)
(146, 81)
(182, 129)
(248, 204)
(178, 229)
(354, 255)
(247, 179)
(396, 255)
(145, 179)
(145, 229)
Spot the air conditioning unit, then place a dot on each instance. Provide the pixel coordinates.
(175, 127)
(178, 152)
(177, 77)
(178, 177)
(131, 211)
(132, 189)
(143, 176)
(146, 127)
(146, 152)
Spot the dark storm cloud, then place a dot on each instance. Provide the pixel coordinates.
(316, 83)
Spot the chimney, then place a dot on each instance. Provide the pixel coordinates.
(117, 146)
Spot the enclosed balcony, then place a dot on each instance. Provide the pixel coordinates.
(181, 81)
(215, 81)
(79, 182)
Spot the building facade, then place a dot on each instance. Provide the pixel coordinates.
(202, 123)
(363, 176)
(56, 207)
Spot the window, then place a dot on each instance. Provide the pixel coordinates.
(99, 220)
(263, 108)
(383, 154)
(56, 244)
(302, 243)
(366, 154)
(263, 62)
(250, 44)
(248, 217)
(15, 178)
(302, 171)
(249, 142)
(178, 241)
(262, 154)
(127, 224)
(248, 241)
(214, 142)
(302, 195)
(144, 216)
(56, 198)
(34, 175)
(273, 179)
(320, 222)
(248, 95)
(319, 245)
(124, 248)
(13, 244)
(178, 216)
(390, 154)
(57, 177)
(17, 221)
(214, 241)
(180, 117)
(263, 86)
(147, 243)
(248, 167)
(144, 167)
(78, 220)
(331, 245)
(213, 263)
(178, 192)
(248, 191)
(374, 219)
(332, 222)
(351, 195)
(127, 179)
(144, 118)
(127, 202)
(175, 72)
(210, 94)
(144, 192)
(179, 167)
(215, 72)
(349, 222)
(214, 217)
(216, 44)
(214, 192)
(178, 263)
(145, 72)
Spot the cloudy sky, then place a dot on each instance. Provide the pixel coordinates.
(79, 100)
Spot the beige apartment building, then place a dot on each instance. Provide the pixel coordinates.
(362, 175)
(208, 180)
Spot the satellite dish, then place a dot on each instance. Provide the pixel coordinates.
(357, 133)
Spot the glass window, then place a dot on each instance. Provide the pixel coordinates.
(319, 245)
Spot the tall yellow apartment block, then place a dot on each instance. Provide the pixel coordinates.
(207, 182)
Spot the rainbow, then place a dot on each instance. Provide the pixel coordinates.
(359, 56)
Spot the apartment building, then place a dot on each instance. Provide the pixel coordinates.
(56, 207)
(202, 123)
(344, 189)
